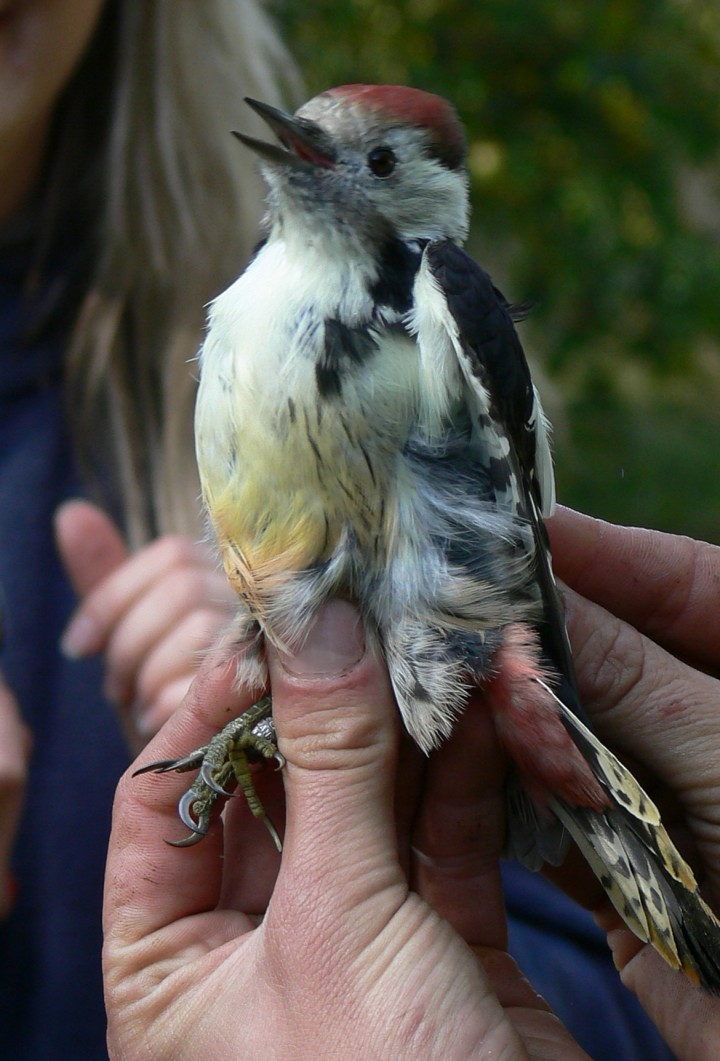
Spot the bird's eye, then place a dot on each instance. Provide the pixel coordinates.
(382, 161)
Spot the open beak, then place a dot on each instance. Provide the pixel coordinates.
(303, 144)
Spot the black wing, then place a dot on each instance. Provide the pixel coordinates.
(510, 423)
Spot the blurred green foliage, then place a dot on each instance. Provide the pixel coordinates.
(593, 134)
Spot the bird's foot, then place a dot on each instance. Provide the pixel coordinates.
(248, 739)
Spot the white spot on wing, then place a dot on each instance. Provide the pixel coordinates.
(544, 472)
(439, 345)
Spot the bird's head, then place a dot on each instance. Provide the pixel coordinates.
(367, 159)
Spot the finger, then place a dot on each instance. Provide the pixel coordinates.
(337, 725)
(687, 1017)
(249, 848)
(150, 884)
(14, 753)
(665, 585)
(508, 982)
(182, 565)
(148, 718)
(176, 657)
(14, 740)
(90, 545)
(461, 829)
(166, 673)
(158, 614)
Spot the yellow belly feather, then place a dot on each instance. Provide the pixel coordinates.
(280, 504)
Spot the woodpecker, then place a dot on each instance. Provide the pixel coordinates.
(367, 427)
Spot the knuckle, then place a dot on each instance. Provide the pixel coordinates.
(611, 665)
(187, 583)
(179, 550)
(203, 626)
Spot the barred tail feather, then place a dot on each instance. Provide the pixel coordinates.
(631, 861)
(645, 877)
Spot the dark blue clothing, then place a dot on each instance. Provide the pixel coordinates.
(564, 955)
(50, 985)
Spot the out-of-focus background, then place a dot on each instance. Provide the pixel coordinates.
(594, 136)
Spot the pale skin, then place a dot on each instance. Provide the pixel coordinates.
(151, 615)
(14, 750)
(351, 959)
(41, 44)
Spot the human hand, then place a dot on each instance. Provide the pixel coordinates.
(151, 614)
(14, 754)
(642, 669)
(369, 938)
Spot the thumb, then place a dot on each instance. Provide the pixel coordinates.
(337, 728)
(89, 543)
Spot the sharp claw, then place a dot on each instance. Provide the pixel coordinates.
(158, 767)
(185, 806)
(210, 781)
(163, 766)
(244, 741)
(189, 762)
(273, 832)
(193, 838)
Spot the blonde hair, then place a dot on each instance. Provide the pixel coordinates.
(178, 204)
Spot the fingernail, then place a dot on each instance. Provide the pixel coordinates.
(335, 643)
(80, 638)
